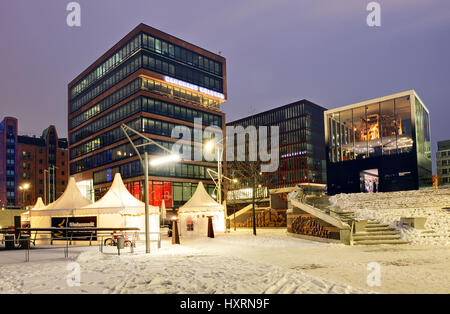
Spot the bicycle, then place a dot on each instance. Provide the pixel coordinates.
(113, 241)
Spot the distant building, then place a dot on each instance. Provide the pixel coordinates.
(40, 162)
(379, 145)
(301, 145)
(443, 163)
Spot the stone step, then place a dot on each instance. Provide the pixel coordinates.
(376, 233)
(377, 242)
(379, 229)
(377, 237)
(376, 225)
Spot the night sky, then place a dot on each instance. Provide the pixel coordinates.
(277, 51)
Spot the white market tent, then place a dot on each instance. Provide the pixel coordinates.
(194, 214)
(64, 206)
(117, 208)
(39, 205)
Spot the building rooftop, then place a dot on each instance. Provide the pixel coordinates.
(30, 140)
(303, 101)
(444, 145)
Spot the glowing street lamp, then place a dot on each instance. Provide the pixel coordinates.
(24, 187)
(209, 146)
(145, 163)
(165, 159)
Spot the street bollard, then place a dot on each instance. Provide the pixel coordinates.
(175, 235)
(120, 244)
(210, 227)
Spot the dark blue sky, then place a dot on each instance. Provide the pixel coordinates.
(278, 51)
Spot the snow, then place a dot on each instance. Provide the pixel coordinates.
(236, 262)
(388, 208)
(171, 269)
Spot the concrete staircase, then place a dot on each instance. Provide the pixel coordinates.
(374, 232)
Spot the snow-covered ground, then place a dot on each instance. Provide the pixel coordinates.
(390, 207)
(171, 269)
(271, 262)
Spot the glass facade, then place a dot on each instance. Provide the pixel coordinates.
(149, 103)
(375, 137)
(372, 130)
(174, 194)
(155, 45)
(185, 65)
(302, 147)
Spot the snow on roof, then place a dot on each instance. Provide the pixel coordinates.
(119, 199)
(201, 201)
(71, 198)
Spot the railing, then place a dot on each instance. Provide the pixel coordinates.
(69, 235)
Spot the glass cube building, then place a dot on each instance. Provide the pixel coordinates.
(379, 145)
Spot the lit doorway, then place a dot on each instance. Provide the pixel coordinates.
(369, 181)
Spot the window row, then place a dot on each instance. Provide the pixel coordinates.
(103, 140)
(180, 94)
(181, 54)
(117, 115)
(106, 103)
(134, 169)
(179, 71)
(144, 104)
(115, 77)
(123, 53)
(152, 63)
(146, 125)
(154, 44)
(276, 117)
(152, 86)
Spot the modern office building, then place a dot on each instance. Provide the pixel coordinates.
(443, 163)
(380, 145)
(301, 143)
(152, 82)
(40, 163)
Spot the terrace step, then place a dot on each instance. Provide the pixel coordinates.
(376, 225)
(378, 242)
(376, 237)
(371, 233)
(379, 229)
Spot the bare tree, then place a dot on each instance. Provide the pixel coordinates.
(250, 176)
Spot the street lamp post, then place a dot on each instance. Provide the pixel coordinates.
(24, 187)
(144, 163)
(54, 182)
(45, 186)
(210, 146)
